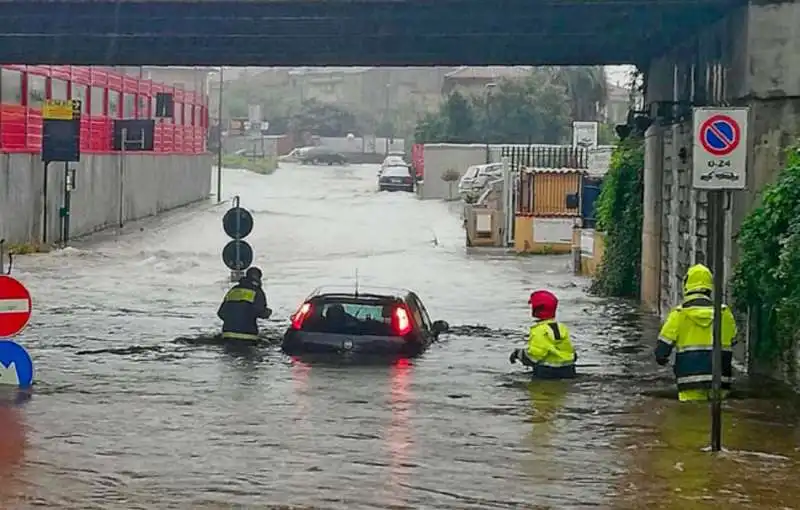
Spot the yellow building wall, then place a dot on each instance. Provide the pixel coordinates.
(590, 264)
(524, 234)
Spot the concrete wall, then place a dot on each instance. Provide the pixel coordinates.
(145, 185)
(439, 157)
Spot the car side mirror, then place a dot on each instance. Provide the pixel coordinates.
(440, 327)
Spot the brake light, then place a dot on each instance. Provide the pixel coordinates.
(301, 315)
(407, 180)
(400, 321)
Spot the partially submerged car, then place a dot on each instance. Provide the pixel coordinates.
(369, 322)
(321, 155)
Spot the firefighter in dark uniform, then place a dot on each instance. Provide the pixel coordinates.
(242, 306)
(550, 352)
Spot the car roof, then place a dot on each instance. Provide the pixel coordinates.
(362, 291)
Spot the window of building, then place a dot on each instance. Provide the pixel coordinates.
(178, 113)
(37, 92)
(113, 104)
(79, 92)
(10, 86)
(128, 105)
(98, 101)
(58, 89)
(144, 111)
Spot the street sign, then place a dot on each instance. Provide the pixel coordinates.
(60, 109)
(241, 229)
(15, 306)
(16, 366)
(245, 255)
(720, 148)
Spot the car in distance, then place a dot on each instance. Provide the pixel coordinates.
(321, 155)
(371, 322)
(396, 178)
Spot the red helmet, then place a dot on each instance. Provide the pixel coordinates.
(543, 304)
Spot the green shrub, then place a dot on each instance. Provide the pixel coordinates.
(258, 165)
(766, 280)
(619, 215)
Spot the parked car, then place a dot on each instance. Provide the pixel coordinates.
(396, 178)
(392, 160)
(361, 321)
(477, 176)
(321, 155)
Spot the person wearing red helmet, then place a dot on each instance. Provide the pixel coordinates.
(549, 352)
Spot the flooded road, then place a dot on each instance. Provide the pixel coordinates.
(126, 417)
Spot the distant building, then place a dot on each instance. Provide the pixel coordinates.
(617, 105)
(470, 80)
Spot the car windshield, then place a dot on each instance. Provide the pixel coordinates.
(396, 171)
(491, 169)
(471, 173)
(351, 315)
(393, 160)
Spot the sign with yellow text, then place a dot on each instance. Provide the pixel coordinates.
(60, 109)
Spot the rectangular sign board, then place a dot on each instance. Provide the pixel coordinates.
(62, 109)
(719, 151)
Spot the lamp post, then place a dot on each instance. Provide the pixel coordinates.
(219, 139)
(386, 118)
(489, 87)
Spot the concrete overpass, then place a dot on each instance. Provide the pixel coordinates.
(348, 32)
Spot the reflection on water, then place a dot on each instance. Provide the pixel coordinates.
(13, 442)
(399, 435)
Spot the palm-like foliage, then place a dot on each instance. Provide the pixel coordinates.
(587, 87)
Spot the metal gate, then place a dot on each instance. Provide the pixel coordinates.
(590, 191)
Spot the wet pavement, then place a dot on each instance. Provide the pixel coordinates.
(136, 408)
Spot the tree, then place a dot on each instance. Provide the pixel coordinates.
(587, 87)
(322, 120)
(518, 111)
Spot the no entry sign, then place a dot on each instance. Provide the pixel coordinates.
(720, 148)
(15, 306)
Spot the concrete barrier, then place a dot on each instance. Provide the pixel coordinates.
(107, 192)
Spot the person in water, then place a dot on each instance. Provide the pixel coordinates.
(689, 331)
(242, 306)
(549, 352)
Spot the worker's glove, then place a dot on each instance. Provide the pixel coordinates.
(268, 313)
(515, 356)
(662, 361)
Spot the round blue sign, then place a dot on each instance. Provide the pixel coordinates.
(16, 366)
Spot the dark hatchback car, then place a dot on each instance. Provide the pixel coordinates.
(373, 322)
(396, 178)
(321, 156)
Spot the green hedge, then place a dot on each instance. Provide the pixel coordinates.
(766, 279)
(258, 165)
(619, 215)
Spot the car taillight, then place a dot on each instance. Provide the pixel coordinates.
(407, 180)
(301, 315)
(400, 321)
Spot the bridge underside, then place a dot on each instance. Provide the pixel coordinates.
(340, 32)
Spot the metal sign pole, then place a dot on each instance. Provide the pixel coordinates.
(44, 204)
(219, 148)
(122, 177)
(718, 233)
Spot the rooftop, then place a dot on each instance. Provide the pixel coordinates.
(488, 72)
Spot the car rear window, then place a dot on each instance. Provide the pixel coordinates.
(397, 171)
(363, 316)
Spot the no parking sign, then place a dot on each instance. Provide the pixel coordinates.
(720, 148)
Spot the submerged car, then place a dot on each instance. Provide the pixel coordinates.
(369, 322)
(321, 155)
(396, 178)
(477, 176)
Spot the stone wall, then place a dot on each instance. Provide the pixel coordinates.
(751, 58)
(109, 190)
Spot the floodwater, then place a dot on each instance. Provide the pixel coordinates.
(133, 410)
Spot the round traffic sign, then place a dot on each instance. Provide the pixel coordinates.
(15, 306)
(245, 255)
(16, 367)
(720, 135)
(244, 218)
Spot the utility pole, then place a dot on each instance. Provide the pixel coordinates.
(386, 117)
(489, 87)
(219, 138)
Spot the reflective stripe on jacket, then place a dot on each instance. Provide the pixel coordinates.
(689, 330)
(550, 350)
(240, 308)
